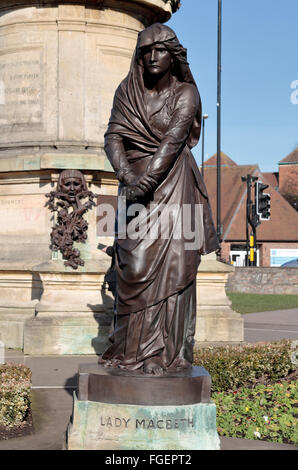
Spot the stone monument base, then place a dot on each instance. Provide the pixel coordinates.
(120, 410)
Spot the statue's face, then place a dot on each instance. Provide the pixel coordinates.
(72, 187)
(157, 59)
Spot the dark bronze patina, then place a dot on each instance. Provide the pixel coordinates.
(71, 201)
(108, 385)
(155, 121)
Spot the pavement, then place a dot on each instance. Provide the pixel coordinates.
(54, 382)
(271, 326)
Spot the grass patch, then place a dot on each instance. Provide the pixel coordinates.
(250, 303)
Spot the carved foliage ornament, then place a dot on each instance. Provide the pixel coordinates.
(70, 201)
(175, 4)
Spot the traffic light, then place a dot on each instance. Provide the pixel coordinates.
(262, 201)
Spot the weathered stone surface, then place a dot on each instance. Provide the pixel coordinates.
(55, 105)
(264, 281)
(46, 311)
(12, 328)
(66, 334)
(51, 96)
(20, 291)
(98, 426)
(74, 313)
(216, 321)
(27, 223)
(61, 311)
(69, 290)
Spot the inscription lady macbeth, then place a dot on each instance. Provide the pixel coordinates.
(175, 423)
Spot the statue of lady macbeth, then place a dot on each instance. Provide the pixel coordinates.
(155, 121)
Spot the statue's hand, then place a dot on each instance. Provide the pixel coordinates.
(127, 176)
(130, 178)
(133, 193)
(146, 183)
(137, 187)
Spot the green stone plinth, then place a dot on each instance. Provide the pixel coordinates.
(104, 426)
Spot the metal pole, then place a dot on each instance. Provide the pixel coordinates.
(255, 224)
(219, 120)
(251, 219)
(203, 144)
(247, 219)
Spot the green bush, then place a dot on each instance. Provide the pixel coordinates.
(232, 367)
(15, 394)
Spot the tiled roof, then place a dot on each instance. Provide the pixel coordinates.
(225, 161)
(283, 225)
(272, 179)
(291, 158)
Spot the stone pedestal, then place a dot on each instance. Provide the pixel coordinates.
(20, 291)
(216, 321)
(118, 410)
(50, 309)
(74, 313)
(56, 310)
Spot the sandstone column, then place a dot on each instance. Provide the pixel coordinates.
(60, 63)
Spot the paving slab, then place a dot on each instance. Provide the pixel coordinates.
(51, 410)
(51, 371)
(228, 443)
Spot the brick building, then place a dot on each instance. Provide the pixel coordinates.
(288, 178)
(277, 238)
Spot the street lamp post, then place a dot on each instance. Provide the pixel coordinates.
(205, 116)
(219, 120)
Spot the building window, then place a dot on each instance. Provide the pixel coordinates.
(238, 255)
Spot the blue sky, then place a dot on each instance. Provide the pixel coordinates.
(259, 62)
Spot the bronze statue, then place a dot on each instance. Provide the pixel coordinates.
(70, 207)
(155, 121)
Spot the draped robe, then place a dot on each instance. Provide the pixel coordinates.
(155, 303)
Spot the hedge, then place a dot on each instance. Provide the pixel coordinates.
(15, 394)
(232, 367)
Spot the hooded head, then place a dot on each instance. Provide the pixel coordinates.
(129, 116)
(162, 34)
